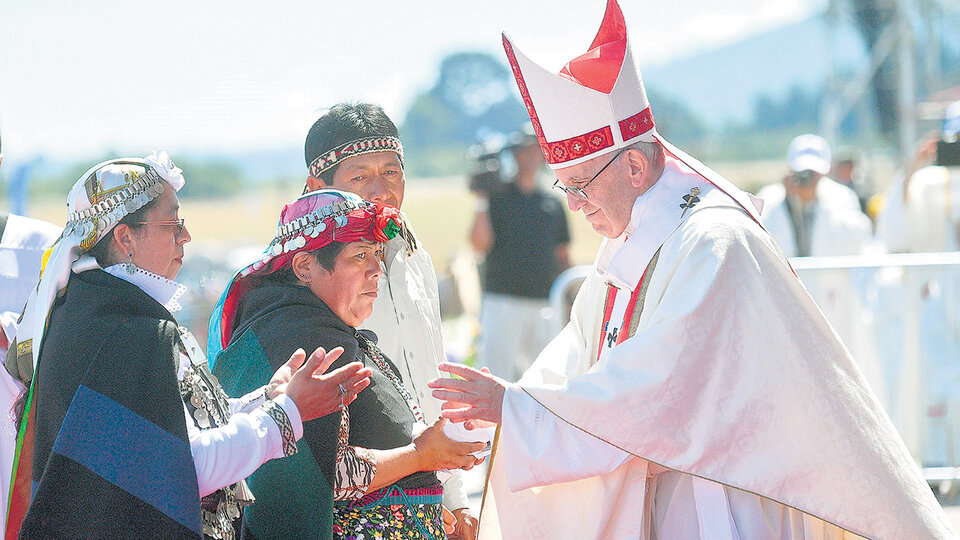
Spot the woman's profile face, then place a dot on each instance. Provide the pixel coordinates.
(351, 288)
(158, 245)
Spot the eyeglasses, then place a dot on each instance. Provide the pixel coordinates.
(577, 192)
(178, 223)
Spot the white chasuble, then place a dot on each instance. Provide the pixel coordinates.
(731, 410)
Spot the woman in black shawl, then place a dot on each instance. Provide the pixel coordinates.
(126, 433)
(372, 472)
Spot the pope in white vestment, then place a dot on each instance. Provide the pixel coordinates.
(732, 411)
(697, 391)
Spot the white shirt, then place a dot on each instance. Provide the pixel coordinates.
(230, 453)
(406, 319)
(929, 219)
(21, 249)
(839, 226)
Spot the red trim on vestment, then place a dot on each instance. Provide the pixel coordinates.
(627, 314)
(607, 313)
(631, 305)
(525, 94)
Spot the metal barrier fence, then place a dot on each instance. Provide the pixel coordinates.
(899, 315)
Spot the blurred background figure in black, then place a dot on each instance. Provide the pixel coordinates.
(522, 231)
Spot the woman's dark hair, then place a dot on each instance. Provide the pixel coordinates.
(345, 122)
(325, 257)
(101, 250)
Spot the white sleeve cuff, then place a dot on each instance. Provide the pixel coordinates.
(454, 492)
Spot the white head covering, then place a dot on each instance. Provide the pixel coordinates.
(597, 104)
(102, 196)
(809, 153)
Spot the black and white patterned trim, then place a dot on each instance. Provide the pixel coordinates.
(283, 422)
(356, 466)
(325, 162)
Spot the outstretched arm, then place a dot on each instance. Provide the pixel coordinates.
(230, 453)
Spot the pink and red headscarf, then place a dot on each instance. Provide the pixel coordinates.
(307, 224)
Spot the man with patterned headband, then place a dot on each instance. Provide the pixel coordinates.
(124, 431)
(697, 391)
(357, 148)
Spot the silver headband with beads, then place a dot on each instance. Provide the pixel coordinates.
(91, 223)
(292, 236)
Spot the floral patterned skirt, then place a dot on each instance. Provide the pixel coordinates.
(391, 513)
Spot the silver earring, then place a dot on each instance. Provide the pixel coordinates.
(129, 266)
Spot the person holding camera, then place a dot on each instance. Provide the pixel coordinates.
(523, 232)
(810, 214)
(921, 210)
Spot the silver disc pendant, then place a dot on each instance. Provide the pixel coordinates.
(203, 421)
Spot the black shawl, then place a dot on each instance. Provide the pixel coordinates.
(111, 457)
(273, 321)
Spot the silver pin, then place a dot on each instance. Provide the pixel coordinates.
(690, 200)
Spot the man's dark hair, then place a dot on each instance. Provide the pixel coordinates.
(345, 122)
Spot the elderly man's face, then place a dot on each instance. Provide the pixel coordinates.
(377, 177)
(610, 196)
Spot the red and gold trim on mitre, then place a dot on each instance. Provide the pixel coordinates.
(596, 104)
(327, 161)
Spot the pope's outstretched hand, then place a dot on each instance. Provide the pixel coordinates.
(478, 395)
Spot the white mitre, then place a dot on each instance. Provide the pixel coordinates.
(597, 104)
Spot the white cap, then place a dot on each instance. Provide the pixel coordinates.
(595, 105)
(951, 120)
(809, 153)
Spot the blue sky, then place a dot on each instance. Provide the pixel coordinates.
(78, 79)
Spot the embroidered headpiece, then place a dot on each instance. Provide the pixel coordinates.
(327, 161)
(110, 190)
(100, 198)
(595, 105)
(307, 224)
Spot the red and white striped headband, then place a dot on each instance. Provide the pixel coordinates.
(325, 162)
